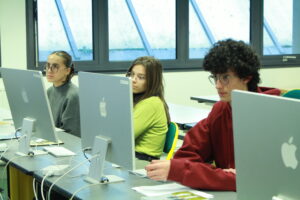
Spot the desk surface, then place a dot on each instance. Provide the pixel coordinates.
(29, 165)
(185, 114)
(71, 183)
(4, 114)
(206, 99)
(122, 190)
(7, 129)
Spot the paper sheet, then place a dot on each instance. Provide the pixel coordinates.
(158, 190)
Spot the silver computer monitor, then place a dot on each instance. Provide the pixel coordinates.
(106, 119)
(29, 105)
(266, 142)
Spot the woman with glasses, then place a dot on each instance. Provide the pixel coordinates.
(206, 158)
(150, 112)
(63, 95)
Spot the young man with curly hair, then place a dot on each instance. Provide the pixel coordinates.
(233, 65)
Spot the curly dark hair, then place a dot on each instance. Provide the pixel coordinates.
(236, 56)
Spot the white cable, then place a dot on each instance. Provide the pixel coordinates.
(34, 189)
(8, 146)
(8, 162)
(71, 158)
(48, 173)
(19, 138)
(1, 196)
(76, 166)
(68, 157)
(77, 152)
(83, 187)
(5, 167)
(4, 152)
(42, 183)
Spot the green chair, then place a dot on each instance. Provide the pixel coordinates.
(171, 140)
(295, 93)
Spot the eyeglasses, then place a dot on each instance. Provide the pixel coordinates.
(224, 79)
(52, 67)
(139, 76)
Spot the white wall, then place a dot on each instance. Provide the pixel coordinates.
(179, 86)
(13, 33)
(13, 38)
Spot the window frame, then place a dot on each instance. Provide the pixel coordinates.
(182, 62)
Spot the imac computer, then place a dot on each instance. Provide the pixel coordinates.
(29, 106)
(106, 122)
(266, 143)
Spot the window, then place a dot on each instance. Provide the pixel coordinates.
(210, 21)
(140, 28)
(65, 25)
(107, 35)
(281, 27)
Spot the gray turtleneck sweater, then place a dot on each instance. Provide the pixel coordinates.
(64, 102)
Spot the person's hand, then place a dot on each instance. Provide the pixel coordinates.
(158, 169)
(230, 170)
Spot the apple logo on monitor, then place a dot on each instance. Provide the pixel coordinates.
(102, 106)
(24, 96)
(288, 153)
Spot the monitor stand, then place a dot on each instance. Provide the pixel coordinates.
(24, 140)
(95, 174)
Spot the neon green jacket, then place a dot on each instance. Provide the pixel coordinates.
(150, 126)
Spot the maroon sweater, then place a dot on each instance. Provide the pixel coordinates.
(209, 140)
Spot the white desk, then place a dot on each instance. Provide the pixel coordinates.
(185, 115)
(30, 167)
(4, 114)
(206, 99)
(7, 128)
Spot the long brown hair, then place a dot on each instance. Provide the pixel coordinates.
(154, 80)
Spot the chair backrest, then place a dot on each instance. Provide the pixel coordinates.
(295, 93)
(171, 140)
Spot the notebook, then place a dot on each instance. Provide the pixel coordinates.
(266, 141)
(42, 142)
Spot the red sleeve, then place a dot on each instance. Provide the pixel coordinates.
(268, 90)
(201, 175)
(190, 165)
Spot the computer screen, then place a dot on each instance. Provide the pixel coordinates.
(266, 143)
(106, 111)
(28, 103)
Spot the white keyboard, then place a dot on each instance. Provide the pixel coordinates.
(59, 151)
